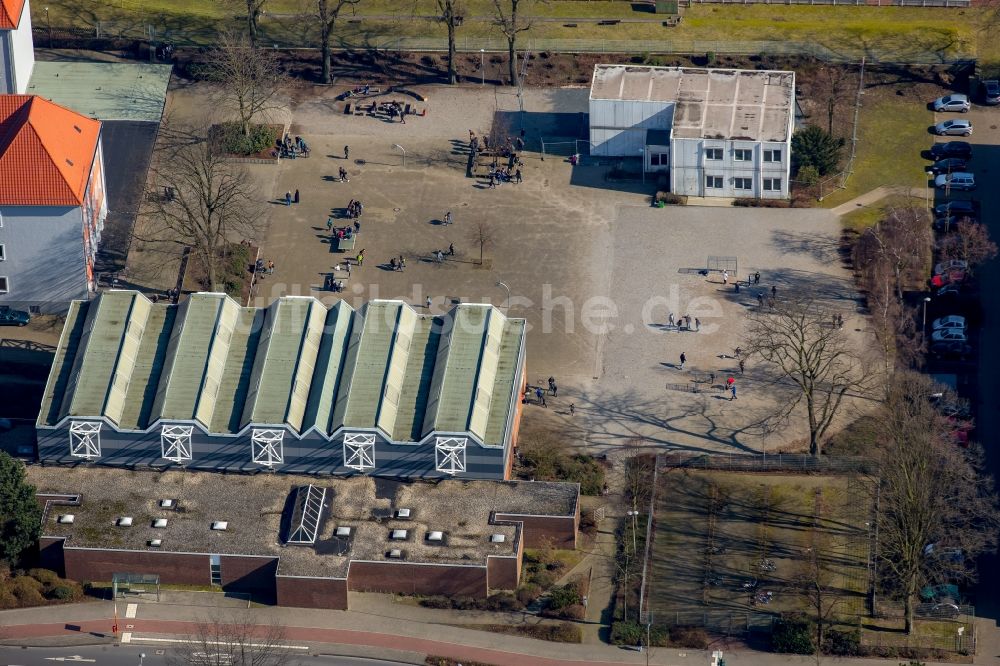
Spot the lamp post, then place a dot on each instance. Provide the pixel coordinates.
(48, 26)
(142, 655)
(501, 283)
(482, 65)
(927, 299)
(396, 145)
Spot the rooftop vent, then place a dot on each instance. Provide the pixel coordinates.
(435, 536)
(66, 519)
(398, 535)
(77, 128)
(69, 161)
(166, 504)
(220, 525)
(395, 554)
(497, 538)
(160, 522)
(343, 531)
(403, 514)
(124, 521)
(155, 543)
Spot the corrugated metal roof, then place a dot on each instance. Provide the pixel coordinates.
(294, 362)
(10, 14)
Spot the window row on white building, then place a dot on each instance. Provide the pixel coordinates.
(266, 447)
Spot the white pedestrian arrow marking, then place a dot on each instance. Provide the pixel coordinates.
(75, 657)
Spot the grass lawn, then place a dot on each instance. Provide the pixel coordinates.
(896, 33)
(891, 137)
(862, 218)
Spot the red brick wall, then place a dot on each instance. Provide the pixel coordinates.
(504, 572)
(99, 565)
(51, 555)
(312, 592)
(536, 529)
(404, 578)
(248, 573)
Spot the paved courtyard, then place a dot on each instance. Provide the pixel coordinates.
(590, 265)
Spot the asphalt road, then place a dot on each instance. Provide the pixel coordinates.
(130, 656)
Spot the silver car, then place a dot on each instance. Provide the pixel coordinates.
(953, 128)
(952, 103)
(956, 181)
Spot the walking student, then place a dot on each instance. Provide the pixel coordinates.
(296, 196)
(683, 361)
(288, 198)
(732, 391)
(347, 152)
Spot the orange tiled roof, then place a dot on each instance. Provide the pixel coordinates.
(10, 13)
(46, 152)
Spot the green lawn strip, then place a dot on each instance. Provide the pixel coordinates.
(891, 137)
(862, 218)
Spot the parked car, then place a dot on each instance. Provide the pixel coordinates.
(949, 335)
(950, 349)
(953, 128)
(957, 207)
(953, 265)
(991, 92)
(956, 102)
(954, 276)
(953, 290)
(948, 165)
(12, 317)
(950, 223)
(963, 180)
(955, 322)
(940, 151)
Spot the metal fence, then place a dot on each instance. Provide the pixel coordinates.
(719, 621)
(777, 462)
(155, 32)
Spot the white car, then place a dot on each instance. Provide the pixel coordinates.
(953, 265)
(949, 335)
(951, 322)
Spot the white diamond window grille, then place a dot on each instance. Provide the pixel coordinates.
(359, 451)
(449, 454)
(85, 439)
(175, 442)
(266, 446)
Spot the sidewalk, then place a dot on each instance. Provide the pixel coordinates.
(333, 632)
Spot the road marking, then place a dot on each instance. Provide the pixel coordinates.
(146, 639)
(131, 609)
(127, 637)
(75, 657)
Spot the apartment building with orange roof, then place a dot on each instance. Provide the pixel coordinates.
(17, 55)
(53, 203)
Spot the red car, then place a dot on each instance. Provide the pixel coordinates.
(953, 276)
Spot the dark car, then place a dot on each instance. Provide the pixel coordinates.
(961, 149)
(958, 207)
(991, 92)
(950, 223)
(11, 317)
(950, 349)
(948, 165)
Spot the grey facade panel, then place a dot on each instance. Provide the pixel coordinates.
(313, 454)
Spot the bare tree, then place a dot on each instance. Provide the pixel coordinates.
(511, 22)
(254, 9)
(232, 640)
(902, 241)
(250, 77)
(937, 509)
(970, 242)
(326, 13)
(831, 85)
(638, 479)
(798, 339)
(452, 12)
(202, 201)
(482, 235)
(820, 582)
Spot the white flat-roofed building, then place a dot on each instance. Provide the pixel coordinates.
(718, 132)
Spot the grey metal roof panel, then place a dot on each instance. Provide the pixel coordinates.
(329, 366)
(374, 350)
(62, 363)
(456, 393)
(417, 380)
(99, 351)
(147, 368)
(235, 381)
(508, 372)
